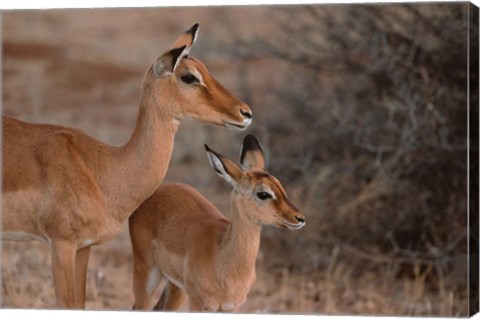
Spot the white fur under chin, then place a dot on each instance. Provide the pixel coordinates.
(295, 226)
(235, 128)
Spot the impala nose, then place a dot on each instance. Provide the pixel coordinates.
(242, 119)
(246, 113)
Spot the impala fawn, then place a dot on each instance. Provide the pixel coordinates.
(72, 191)
(181, 239)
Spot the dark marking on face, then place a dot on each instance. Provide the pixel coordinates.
(274, 185)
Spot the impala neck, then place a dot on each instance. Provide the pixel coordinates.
(240, 243)
(143, 162)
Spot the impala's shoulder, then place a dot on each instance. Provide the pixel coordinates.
(65, 135)
(179, 187)
(60, 139)
(171, 191)
(180, 191)
(76, 139)
(190, 200)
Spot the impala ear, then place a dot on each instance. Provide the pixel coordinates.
(168, 62)
(187, 38)
(224, 167)
(251, 154)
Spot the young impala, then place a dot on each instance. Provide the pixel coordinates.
(181, 239)
(64, 187)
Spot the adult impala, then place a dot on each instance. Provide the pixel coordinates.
(179, 237)
(64, 187)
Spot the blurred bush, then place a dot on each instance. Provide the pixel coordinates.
(371, 103)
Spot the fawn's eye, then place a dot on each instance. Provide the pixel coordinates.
(263, 195)
(189, 78)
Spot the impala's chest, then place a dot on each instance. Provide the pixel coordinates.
(237, 292)
(95, 226)
(99, 229)
(19, 212)
(229, 294)
(226, 303)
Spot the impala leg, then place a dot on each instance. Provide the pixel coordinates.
(172, 298)
(146, 282)
(63, 271)
(81, 264)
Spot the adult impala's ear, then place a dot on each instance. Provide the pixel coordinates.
(187, 39)
(224, 167)
(251, 154)
(168, 62)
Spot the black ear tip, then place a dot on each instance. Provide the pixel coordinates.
(250, 137)
(250, 142)
(193, 29)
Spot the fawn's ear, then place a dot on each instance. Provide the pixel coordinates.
(224, 167)
(251, 154)
(167, 63)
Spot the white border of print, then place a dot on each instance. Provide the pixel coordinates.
(72, 314)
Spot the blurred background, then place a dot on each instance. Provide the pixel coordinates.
(360, 108)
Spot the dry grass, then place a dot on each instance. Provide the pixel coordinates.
(337, 289)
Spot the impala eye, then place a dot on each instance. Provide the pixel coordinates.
(189, 78)
(263, 195)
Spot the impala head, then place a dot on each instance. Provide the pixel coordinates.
(191, 90)
(260, 193)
